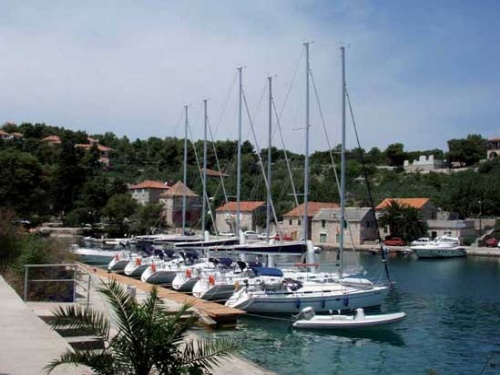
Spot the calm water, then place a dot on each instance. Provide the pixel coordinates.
(452, 326)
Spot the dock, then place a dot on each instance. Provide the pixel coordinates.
(212, 314)
(28, 343)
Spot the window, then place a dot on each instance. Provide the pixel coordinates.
(368, 224)
(298, 222)
(290, 222)
(323, 223)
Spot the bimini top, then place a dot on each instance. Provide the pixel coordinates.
(267, 271)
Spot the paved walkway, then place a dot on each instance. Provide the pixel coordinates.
(28, 344)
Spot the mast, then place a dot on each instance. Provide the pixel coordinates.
(306, 164)
(342, 163)
(204, 169)
(238, 172)
(185, 173)
(269, 195)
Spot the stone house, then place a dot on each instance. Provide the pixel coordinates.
(172, 201)
(292, 224)
(148, 191)
(249, 212)
(360, 227)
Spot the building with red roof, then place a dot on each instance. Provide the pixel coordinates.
(249, 213)
(173, 200)
(293, 220)
(148, 191)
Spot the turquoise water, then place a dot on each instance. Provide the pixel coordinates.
(452, 326)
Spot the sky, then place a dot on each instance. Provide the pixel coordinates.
(418, 72)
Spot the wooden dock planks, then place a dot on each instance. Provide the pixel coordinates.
(219, 313)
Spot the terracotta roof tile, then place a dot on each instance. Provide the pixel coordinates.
(312, 209)
(149, 184)
(244, 206)
(88, 146)
(52, 139)
(212, 173)
(177, 190)
(2, 133)
(410, 202)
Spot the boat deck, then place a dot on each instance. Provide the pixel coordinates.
(211, 313)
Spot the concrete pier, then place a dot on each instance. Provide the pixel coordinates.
(28, 344)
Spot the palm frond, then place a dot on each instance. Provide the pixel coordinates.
(75, 317)
(207, 353)
(100, 363)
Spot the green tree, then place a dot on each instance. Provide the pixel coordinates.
(149, 340)
(467, 151)
(119, 208)
(22, 183)
(403, 221)
(395, 154)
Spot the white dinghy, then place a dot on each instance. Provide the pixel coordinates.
(307, 318)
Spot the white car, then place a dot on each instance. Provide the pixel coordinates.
(420, 241)
(250, 234)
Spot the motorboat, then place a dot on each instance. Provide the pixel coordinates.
(120, 261)
(441, 247)
(307, 318)
(92, 255)
(420, 241)
(164, 271)
(187, 277)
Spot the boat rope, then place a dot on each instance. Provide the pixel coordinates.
(332, 160)
(275, 217)
(269, 317)
(368, 187)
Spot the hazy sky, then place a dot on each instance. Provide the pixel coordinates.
(418, 72)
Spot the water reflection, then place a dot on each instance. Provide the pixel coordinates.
(382, 335)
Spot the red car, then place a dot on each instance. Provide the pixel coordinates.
(284, 237)
(394, 241)
(491, 242)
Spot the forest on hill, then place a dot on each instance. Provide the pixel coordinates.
(41, 181)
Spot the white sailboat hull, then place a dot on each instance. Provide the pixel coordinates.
(322, 300)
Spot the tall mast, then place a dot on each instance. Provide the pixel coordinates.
(238, 172)
(342, 163)
(269, 195)
(185, 173)
(306, 164)
(205, 197)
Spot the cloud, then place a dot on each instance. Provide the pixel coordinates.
(130, 67)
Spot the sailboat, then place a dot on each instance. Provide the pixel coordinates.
(322, 297)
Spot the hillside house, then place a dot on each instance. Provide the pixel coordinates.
(492, 148)
(361, 226)
(103, 150)
(52, 140)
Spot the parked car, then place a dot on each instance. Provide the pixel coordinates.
(394, 241)
(250, 234)
(283, 237)
(491, 242)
